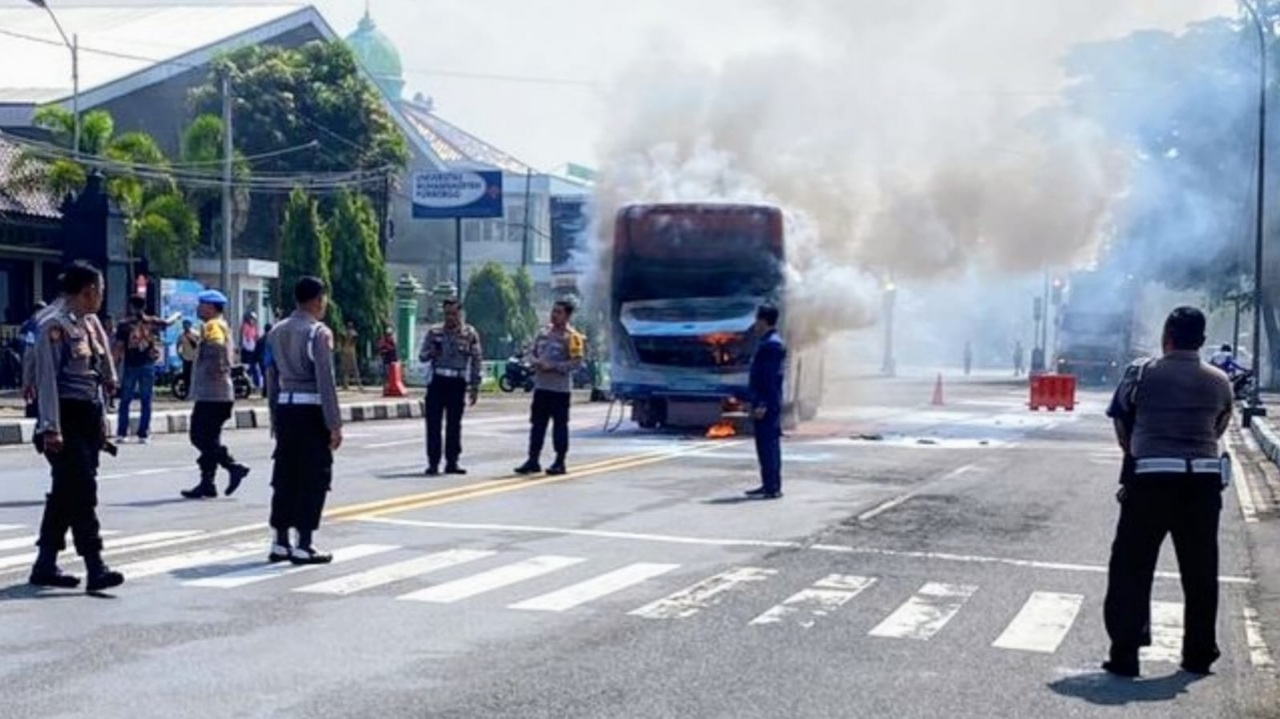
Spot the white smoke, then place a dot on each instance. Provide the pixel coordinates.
(899, 139)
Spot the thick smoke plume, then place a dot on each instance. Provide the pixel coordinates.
(901, 140)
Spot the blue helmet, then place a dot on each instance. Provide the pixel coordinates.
(212, 297)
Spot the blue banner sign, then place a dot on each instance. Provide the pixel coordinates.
(449, 195)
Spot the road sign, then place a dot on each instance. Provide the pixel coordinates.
(456, 195)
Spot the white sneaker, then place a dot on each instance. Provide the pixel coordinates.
(309, 555)
(144, 440)
(279, 554)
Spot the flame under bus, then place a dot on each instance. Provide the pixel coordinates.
(686, 282)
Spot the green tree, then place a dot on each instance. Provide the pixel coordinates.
(202, 158)
(492, 306)
(312, 97)
(304, 250)
(526, 319)
(362, 290)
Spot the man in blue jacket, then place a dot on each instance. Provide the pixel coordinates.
(767, 367)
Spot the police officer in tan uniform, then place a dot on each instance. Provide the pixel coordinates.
(1170, 414)
(306, 421)
(453, 351)
(72, 366)
(558, 351)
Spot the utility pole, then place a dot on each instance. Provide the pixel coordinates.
(74, 46)
(1255, 408)
(226, 194)
(528, 205)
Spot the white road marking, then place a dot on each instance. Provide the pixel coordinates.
(19, 543)
(896, 501)
(823, 598)
(493, 579)
(603, 585)
(10, 527)
(263, 572)
(1248, 509)
(386, 445)
(145, 472)
(709, 592)
(18, 560)
(1042, 624)
(773, 544)
(1166, 633)
(926, 613)
(392, 573)
(1259, 654)
(191, 560)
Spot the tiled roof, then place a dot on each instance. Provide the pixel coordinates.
(21, 202)
(456, 147)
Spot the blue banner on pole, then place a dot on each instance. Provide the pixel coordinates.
(177, 296)
(464, 194)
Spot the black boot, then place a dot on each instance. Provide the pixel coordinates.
(557, 467)
(205, 490)
(238, 472)
(45, 572)
(101, 577)
(454, 469)
(1123, 663)
(530, 467)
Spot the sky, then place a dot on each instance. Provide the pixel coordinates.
(563, 58)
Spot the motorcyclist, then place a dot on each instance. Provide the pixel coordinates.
(1225, 360)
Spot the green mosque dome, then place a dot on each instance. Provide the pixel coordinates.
(378, 55)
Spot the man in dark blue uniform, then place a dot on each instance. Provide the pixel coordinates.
(765, 391)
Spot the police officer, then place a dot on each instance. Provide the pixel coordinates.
(453, 349)
(214, 397)
(558, 352)
(1170, 414)
(765, 388)
(306, 422)
(72, 366)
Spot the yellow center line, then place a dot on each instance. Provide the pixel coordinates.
(412, 501)
(486, 489)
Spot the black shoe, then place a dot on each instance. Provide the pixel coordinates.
(309, 555)
(757, 492)
(432, 471)
(1123, 663)
(771, 495)
(238, 472)
(201, 491)
(1200, 665)
(53, 579)
(530, 467)
(454, 469)
(279, 554)
(105, 579)
(557, 469)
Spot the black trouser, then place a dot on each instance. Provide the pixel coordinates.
(446, 400)
(207, 419)
(1153, 505)
(768, 435)
(549, 407)
(303, 468)
(186, 373)
(73, 499)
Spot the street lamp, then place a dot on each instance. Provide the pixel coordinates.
(1255, 408)
(73, 44)
(890, 368)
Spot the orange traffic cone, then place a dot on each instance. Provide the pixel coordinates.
(394, 386)
(937, 392)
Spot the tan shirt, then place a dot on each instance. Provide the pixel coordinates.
(71, 363)
(1180, 406)
(455, 350)
(302, 349)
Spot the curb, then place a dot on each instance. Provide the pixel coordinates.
(20, 431)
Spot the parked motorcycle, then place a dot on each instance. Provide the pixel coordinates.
(239, 382)
(1242, 384)
(518, 373)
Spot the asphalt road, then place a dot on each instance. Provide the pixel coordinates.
(925, 561)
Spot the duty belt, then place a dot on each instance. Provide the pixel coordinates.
(451, 373)
(1172, 465)
(311, 398)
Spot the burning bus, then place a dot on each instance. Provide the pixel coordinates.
(686, 281)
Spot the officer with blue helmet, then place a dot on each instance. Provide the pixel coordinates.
(214, 397)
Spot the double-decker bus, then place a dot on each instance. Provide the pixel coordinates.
(685, 285)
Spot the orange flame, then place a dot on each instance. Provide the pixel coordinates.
(721, 430)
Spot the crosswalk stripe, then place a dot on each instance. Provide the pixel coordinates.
(1259, 654)
(926, 613)
(603, 585)
(263, 572)
(9, 527)
(17, 560)
(493, 579)
(824, 597)
(1042, 623)
(18, 543)
(1166, 633)
(191, 560)
(710, 591)
(391, 573)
